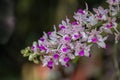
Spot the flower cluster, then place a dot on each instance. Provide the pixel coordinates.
(75, 38)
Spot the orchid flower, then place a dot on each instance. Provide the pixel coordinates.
(75, 38)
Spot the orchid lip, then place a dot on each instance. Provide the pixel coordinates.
(42, 39)
(81, 53)
(49, 33)
(108, 26)
(67, 59)
(67, 65)
(114, 0)
(50, 64)
(99, 16)
(62, 27)
(74, 23)
(80, 11)
(94, 40)
(32, 47)
(41, 47)
(56, 56)
(76, 36)
(67, 38)
(65, 49)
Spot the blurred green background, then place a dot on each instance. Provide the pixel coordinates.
(23, 21)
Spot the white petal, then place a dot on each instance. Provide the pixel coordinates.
(71, 56)
(84, 36)
(105, 38)
(63, 22)
(101, 44)
(86, 53)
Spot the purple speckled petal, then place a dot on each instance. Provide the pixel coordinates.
(32, 48)
(99, 16)
(74, 23)
(65, 49)
(81, 53)
(50, 64)
(67, 65)
(108, 26)
(62, 27)
(42, 47)
(107, 46)
(56, 56)
(76, 36)
(67, 38)
(94, 40)
(80, 11)
(42, 39)
(49, 33)
(67, 59)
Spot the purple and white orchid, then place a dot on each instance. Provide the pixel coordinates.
(75, 38)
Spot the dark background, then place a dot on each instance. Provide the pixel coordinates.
(23, 21)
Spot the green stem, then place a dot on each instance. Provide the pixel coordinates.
(116, 63)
